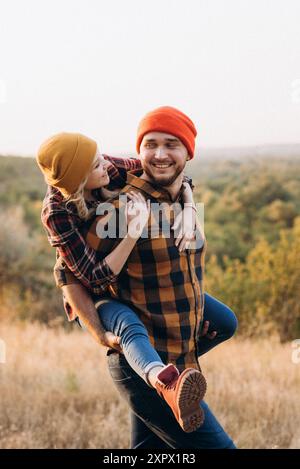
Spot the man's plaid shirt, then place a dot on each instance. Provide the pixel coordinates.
(162, 285)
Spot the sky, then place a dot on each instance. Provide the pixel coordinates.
(97, 67)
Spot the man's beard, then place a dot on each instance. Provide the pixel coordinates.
(164, 181)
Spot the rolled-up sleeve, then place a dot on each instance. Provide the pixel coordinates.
(64, 276)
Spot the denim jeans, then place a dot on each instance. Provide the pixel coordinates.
(153, 423)
(139, 353)
(123, 321)
(224, 321)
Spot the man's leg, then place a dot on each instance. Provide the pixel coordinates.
(142, 437)
(221, 319)
(157, 415)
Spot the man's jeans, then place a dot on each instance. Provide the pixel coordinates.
(153, 423)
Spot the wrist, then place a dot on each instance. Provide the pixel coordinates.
(100, 337)
(187, 193)
(132, 238)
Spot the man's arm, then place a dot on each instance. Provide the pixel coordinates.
(82, 304)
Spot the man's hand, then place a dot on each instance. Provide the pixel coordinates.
(82, 303)
(204, 332)
(112, 341)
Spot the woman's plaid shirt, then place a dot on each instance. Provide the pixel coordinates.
(162, 285)
(62, 228)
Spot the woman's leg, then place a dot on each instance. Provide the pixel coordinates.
(180, 391)
(221, 319)
(123, 322)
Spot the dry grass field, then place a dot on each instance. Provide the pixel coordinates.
(56, 392)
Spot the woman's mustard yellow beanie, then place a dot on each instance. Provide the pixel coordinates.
(66, 159)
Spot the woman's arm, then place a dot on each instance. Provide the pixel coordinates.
(137, 214)
(185, 222)
(82, 260)
(118, 168)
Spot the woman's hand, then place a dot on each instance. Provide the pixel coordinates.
(184, 227)
(185, 222)
(137, 214)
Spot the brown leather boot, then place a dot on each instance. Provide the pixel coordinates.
(183, 394)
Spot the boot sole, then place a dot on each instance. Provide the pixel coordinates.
(191, 391)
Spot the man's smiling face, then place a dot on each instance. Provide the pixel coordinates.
(163, 157)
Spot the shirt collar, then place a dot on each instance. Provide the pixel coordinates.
(155, 191)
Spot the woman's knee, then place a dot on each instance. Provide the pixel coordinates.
(221, 318)
(118, 317)
(132, 331)
(231, 323)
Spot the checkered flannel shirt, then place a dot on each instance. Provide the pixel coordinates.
(162, 285)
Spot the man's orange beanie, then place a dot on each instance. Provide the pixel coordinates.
(66, 159)
(171, 121)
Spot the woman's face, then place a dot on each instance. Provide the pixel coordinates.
(98, 176)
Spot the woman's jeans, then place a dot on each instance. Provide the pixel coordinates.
(153, 423)
(138, 351)
(124, 322)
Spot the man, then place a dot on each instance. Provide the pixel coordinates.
(163, 285)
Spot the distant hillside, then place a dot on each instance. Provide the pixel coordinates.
(19, 175)
(205, 158)
(274, 151)
(248, 192)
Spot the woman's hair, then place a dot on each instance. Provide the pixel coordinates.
(78, 200)
(78, 197)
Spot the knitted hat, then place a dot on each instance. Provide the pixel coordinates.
(168, 120)
(66, 159)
